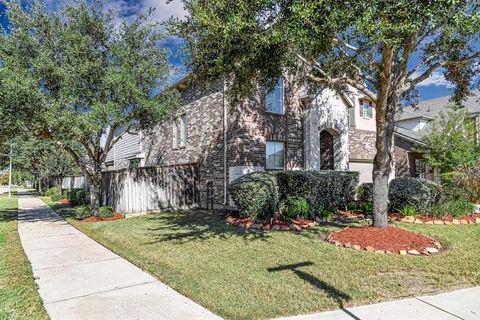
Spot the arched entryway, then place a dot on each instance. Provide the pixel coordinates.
(327, 153)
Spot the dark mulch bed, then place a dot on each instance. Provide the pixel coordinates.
(390, 239)
(115, 216)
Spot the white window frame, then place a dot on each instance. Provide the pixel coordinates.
(369, 113)
(183, 120)
(267, 93)
(266, 155)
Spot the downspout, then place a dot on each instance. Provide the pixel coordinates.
(225, 127)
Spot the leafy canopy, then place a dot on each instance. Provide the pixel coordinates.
(452, 143)
(77, 75)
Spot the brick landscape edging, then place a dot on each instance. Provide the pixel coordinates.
(437, 221)
(427, 252)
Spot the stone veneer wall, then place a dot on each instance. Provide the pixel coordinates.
(361, 144)
(249, 127)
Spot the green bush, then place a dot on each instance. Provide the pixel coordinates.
(450, 188)
(56, 197)
(319, 188)
(335, 188)
(420, 194)
(83, 212)
(105, 212)
(296, 184)
(455, 208)
(297, 207)
(53, 191)
(78, 197)
(365, 192)
(325, 212)
(256, 194)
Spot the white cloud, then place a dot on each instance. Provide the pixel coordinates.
(436, 79)
(162, 12)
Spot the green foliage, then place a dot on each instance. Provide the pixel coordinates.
(53, 191)
(469, 183)
(325, 212)
(83, 212)
(419, 194)
(105, 212)
(451, 144)
(297, 207)
(455, 208)
(408, 212)
(256, 194)
(365, 192)
(450, 188)
(335, 188)
(78, 197)
(79, 74)
(319, 188)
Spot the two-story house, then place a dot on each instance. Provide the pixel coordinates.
(285, 128)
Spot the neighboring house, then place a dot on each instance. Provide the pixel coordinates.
(413, 123)
(128, 152)
(283, 129)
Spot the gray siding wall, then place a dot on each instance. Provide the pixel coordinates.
(127, 147)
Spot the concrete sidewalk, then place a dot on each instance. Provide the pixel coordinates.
(460, 304)
(80, 279)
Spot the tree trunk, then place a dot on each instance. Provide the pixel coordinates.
(95, 182)
(383, 161)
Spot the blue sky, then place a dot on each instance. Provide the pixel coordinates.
(433, 87)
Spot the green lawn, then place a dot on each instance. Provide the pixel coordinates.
(18, 292)
(253, 275)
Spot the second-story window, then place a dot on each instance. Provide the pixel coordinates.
(184, 127)
(366, 109)
(274, 98)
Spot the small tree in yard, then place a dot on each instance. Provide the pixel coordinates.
(76, 76)
(386, 46)
(452, 144)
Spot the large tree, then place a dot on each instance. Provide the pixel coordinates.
(76, 75)
(383, 49)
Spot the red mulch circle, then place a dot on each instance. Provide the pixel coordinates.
(390, 239)
(64, 201)
(115, 216)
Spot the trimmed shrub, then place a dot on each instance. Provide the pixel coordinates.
(419, 194)
(256, 194)
(105, 212)
(83, 212)
(296, 184)
(335, 188)
(319, 188)
(78, 197)
(365, 192)
(297, 207)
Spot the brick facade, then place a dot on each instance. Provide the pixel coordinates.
(405, 154)
(361, 144)
(249, 127)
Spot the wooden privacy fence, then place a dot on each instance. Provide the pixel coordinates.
(74, 182)
(151, 188)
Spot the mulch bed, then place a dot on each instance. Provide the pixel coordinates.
(467, 219)
(64, 201)
(247, 223)
(115, 216)
(388, 240)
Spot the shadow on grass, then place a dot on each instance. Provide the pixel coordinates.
(198, 225)
(8, 214)
(195, 225)
(339, 296)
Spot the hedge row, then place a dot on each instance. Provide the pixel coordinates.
(259, 194)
